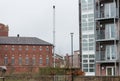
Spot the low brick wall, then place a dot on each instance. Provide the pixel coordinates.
(97, 78)
(61, 78)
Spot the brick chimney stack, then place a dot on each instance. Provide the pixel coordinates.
(4, 30)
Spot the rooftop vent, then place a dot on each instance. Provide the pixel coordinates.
(18, 35)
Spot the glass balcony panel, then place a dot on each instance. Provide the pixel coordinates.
(100, 56)
(107, 33)
(108, 10)
(108, 54)
(100, 34)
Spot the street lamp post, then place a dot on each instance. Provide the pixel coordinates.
(54, 39)
(72, 55)
(54, 35)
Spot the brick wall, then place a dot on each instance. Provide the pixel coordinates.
(97, 78)
(3, 30)
(23, 52)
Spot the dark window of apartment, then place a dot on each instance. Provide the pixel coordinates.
(91, 56)
(90, 15)
(27, 60)
(27, 48)
(5, 60)
(20, 61)
(85, 65)
(40, 48)
(6, 47)
(84, 16)
(85, 36)
(47, 60)
(20, 48)
(34, 48)
(85, 70)
(91, 48)
(91, 65)
(85, 61)
(85, 56)
(33, 61)
(91, 61)
(40, 60)
(13, 48)
(91, 70)
(47, 48)
(12, 60)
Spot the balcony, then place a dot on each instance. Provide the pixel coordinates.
(106, 11)
(102, 16)
(103, 57)
(102, 35)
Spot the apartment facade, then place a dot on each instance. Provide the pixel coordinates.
(87, 36)
(107, 22)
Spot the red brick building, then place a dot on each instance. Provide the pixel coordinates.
(76, 60)
(3, 30)
(59, 62)
(25, 54)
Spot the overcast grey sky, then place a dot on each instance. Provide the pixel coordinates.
(34, 18)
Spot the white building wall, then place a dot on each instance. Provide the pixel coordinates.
(88, 37)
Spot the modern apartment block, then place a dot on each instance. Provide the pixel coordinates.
(107, 37)
(87, 36)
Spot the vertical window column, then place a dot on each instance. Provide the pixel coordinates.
(27, 60)
(6, 60)
(12, 60)
(20, 60)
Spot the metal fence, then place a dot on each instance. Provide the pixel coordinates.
(62, 78)
(39, 78)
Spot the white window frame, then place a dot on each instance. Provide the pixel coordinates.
(109, 10)
(112, 70)
(109, 30)
(110, 52)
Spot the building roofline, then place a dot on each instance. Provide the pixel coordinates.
(23, 41)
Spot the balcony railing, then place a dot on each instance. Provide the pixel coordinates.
(102, 35)
(102, 15)
(101, 56)
(111, 11)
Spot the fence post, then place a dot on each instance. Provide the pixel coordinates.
(3, 78)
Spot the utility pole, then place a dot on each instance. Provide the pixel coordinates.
(72, 55)
(54, 35)
(80, 39)
(54, 38)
